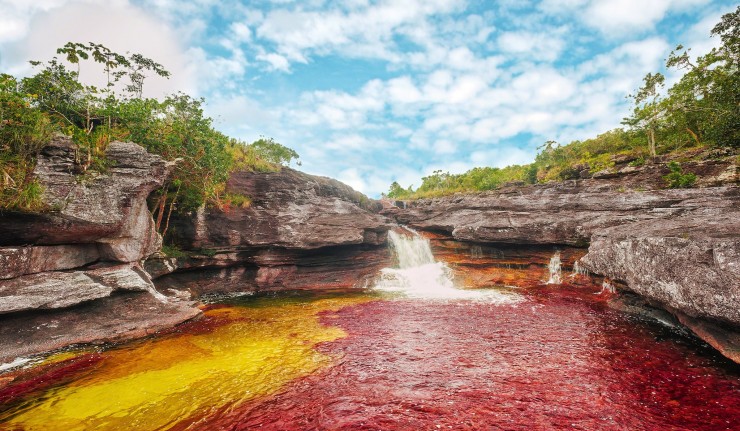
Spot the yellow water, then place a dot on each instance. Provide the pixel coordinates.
(154, 384)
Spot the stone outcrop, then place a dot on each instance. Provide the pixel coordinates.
(81, 271)
(689, 263)
(299, 232)
(119, 317)
(289, 209)
(72, 273)
(107, 209)
(566, 213)
(90, 217)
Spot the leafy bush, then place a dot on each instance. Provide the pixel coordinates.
(273, 152)
(173, 251)
(677, 179)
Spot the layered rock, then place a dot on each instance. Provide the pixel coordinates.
(80, 260)
(690, 263)
(107, 209)
(288, 209)
(299, 232)
(91, 217)
(560, 213)
(115, 318)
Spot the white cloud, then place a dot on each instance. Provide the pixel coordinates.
(360, 30)
(118, 25)
(276, 61)
(619, 17)
(545, 45)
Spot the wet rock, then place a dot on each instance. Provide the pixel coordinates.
(122, 316)
(271, 269)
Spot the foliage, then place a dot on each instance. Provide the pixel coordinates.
(677, 179)
(176, 127)
(703, 108)
(274, 152)
(23, 132)
(173, 251)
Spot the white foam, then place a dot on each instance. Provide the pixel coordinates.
(420, 276)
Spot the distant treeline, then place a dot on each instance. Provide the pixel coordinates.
(701, 110)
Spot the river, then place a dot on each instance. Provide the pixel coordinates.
(412, 352)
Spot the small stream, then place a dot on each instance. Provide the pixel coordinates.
(416, 352)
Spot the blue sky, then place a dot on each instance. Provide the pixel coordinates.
(371, 92)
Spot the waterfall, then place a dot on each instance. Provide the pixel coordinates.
(420, 276)
(577, 270)
(607, 287)
(556, 275)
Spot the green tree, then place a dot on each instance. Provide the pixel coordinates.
(649, 109)
(274, 152)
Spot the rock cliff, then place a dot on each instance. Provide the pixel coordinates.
(85, 250)
(300, 231)
(81, 271)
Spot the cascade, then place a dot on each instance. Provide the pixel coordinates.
(556, 276)
(419, 275)
(578, 270)
(607, 286)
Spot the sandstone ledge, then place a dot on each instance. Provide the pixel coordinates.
(120, 317)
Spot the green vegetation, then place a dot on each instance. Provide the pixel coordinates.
(54, 101)
(173, 251)
(677, 179)
(702, 110)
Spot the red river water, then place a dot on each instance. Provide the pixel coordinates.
(560, 360)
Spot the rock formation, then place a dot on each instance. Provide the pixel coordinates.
(81, 271)
(300, 231)
(86, 248)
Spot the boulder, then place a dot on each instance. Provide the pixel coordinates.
(690, 263)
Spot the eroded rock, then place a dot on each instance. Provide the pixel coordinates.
(107, 208)
(689, 263)
(59, 289)
(17, 261)
(122, 316)
(288, 209)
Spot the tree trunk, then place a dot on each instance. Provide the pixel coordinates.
(169, 213)
(651, 142)
(160, 207)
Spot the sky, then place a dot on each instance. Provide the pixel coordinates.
(371, 92)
